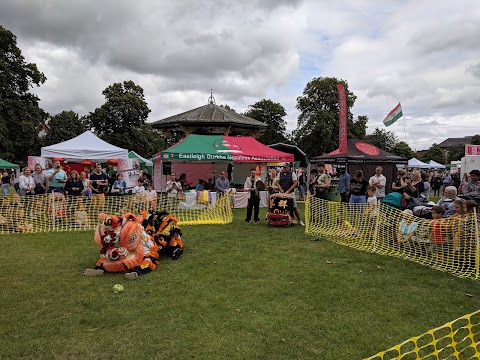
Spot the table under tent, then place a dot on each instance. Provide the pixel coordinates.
(205, 156)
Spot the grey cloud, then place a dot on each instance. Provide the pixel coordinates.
(161, 38)
(445, 36)
(474, 70)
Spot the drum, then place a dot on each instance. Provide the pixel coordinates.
(259, 185)
(281, 204)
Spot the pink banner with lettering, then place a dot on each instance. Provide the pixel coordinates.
(472, 150)
(342, 119)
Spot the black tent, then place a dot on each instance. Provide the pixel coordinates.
(298, 154)
(363, 155)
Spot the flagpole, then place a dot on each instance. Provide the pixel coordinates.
(404, 130)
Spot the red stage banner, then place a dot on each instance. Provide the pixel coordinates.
(342, 119)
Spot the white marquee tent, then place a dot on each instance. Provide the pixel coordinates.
(435, 165)
(415, 163)
(86, 146)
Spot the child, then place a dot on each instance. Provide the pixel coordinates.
(438, 234)
(139, 189)
(407, 227)
(231, 195)
(150, 196)
(81, 217)
(371, 209)
(466, 230)
(458, 223)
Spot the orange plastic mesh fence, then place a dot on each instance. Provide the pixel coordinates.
(55, 212)
(449, 244)
(458, 339)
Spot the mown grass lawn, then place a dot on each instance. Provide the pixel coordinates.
(239, 292)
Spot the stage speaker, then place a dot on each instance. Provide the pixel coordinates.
(167, 168)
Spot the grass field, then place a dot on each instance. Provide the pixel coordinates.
(239, 292)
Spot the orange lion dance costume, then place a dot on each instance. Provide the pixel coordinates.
(126, 247)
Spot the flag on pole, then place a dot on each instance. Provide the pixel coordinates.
(393, 115)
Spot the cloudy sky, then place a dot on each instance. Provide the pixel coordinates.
(422, 53)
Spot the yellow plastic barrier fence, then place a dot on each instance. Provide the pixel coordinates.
(449, 244)
(458, 339)
(56, 212)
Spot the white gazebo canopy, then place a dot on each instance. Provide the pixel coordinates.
(86, 146)
(435, 165)
(415, 163)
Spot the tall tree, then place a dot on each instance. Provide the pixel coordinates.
(383, 139)
(226, 106)
(64, 126)
(401, 148)
(475, 140)
(358, 129)
(317, 128)
(456, 152)
(270, 113)
(435, 153)
(20, 115)
(121, 120)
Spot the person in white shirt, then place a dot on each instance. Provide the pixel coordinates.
(379, 181)
(371, 211)
(139, 189)
(173, 187)
(26, 184)
(150, 196)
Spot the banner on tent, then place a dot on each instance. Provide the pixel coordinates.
(130, 171)
(45, 163)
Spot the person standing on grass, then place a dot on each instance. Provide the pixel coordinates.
(173, 188)
(286, 182)
(253, 197)
(379, 181)
(222, 184)
(358, 188)
(98, 184)
(447, 181)
(56, 179)
(438, 233)
(344, 184)
(322, 182)
(302, 184)
(6, 181)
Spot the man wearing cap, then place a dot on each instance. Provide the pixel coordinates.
(472, 187)
(222, 184)
(286, 182)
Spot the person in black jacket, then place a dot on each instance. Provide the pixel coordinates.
(74, 185)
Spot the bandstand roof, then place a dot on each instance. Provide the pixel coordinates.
(209, 117)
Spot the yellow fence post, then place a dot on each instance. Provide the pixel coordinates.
(307, 213)
(377, 221)
(477, 263)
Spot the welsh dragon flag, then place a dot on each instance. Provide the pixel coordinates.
(393, 115)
